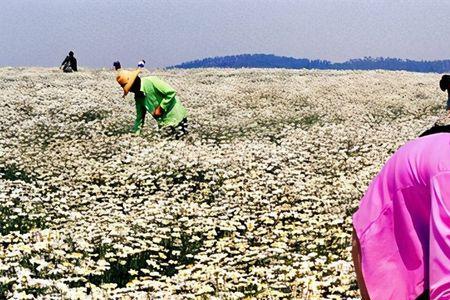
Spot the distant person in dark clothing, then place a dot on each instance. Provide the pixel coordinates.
(141, 64)
(444, 84)
(69, 64)
(117, 65)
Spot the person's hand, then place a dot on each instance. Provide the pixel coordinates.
(158, 112)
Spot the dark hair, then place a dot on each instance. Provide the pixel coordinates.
(445, 82)
(136, 88)
(117, 65)
(71, 53)
(436, 129)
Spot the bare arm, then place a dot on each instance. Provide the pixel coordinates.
(356, 255)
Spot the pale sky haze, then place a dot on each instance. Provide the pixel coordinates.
(167, 32)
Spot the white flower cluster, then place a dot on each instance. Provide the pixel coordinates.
(255, 202)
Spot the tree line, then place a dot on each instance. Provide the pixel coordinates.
(274, 61)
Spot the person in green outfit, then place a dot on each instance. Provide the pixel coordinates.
(155, 96)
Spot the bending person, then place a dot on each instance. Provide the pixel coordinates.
(153, 95)
(401, 243)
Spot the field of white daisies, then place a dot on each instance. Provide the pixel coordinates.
(255, 202)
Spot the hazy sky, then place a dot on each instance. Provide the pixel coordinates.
(167, 32)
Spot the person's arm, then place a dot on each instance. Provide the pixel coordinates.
(356, 255)
(65, 61)
(74, 67)
(439, 241)
(168, 96)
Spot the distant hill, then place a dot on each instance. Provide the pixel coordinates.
(274, 61)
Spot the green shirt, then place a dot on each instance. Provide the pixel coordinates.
(158, 93)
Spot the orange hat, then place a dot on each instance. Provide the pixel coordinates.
(126, 79)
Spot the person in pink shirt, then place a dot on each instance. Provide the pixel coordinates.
(401, 240)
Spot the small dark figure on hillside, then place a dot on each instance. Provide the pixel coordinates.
(117, 65)
(141, 64)
(444, 84)
(69, 64)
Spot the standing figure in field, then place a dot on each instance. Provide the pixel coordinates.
(69, 64)
(155, 96)
(401, 240)
(117, 65)
(444, 84)
(141, 64)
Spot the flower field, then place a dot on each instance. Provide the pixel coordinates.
(255, 202)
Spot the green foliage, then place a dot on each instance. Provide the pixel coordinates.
(13, 172)
(24, 222)
(176, 254)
